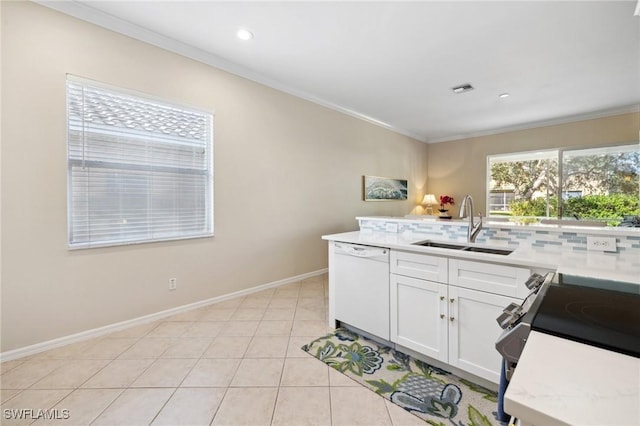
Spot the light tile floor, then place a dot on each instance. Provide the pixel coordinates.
(237, 362)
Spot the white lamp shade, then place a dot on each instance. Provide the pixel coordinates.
(429, 200)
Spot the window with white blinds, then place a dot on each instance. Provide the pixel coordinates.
(139, 169)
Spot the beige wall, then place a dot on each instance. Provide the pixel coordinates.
(286, 172)
(459, 167)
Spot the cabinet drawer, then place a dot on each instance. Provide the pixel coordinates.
(490, 277)
(422, 266)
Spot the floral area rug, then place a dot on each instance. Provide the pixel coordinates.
(435, 395)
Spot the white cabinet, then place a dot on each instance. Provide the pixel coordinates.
(446, 308)
(473, 331)
(422, 266)
(419, 315)
(418, 293)
(490, 277)
(441, 307)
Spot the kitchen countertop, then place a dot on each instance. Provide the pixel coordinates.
(612, 266)
(578, 384)
(557, 381)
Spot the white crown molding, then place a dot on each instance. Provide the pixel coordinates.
(110, 22)
(544, 123)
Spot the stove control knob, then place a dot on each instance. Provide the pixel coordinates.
(505, 320)
(535, 280)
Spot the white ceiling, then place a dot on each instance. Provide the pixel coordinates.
(395, 63)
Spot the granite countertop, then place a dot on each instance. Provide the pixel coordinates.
(612, 266)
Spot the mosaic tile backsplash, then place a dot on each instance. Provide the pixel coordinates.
(492, 233)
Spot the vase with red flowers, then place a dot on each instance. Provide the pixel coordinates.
(444, 200)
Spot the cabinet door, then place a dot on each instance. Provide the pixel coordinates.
(419, 315)
(473, 331)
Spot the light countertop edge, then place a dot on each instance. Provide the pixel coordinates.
(607, 384)
(488, 223)
(406, 243)
(611, 266)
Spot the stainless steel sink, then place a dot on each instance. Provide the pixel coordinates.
(502, 252)
(439, 245)
(463, 247)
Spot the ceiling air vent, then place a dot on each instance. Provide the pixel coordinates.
(462, 88)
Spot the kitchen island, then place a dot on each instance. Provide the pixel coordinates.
(541, 390)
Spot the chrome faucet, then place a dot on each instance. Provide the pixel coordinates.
(472, 230)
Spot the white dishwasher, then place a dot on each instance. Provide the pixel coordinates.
(362, 287)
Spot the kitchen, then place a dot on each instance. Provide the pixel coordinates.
(287, 171)
(442, 295)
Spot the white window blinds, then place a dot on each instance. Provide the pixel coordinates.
(139, 169)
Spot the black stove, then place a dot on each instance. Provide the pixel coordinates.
(601, 313)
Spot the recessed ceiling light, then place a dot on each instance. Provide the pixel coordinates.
(503, 95)
(462, 88)
(244, 34)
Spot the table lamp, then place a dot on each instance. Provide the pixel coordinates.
(429, 200)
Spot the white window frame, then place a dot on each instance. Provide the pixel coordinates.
(160, 165)
(559, 154)
(540, 154)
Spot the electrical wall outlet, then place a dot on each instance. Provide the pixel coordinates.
(173, 284)
(601, 243)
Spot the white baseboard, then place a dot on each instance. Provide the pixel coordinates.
(100, 331)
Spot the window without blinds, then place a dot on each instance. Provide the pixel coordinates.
(139, 169)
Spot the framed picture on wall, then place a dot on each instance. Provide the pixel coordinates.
(384, 189)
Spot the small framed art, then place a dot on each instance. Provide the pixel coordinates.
(384, 189)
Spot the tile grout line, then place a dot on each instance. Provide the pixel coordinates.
(311, 294)
(77, 388)
(226, 388)
(284, 363)
(181, 381)
(158, 357)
